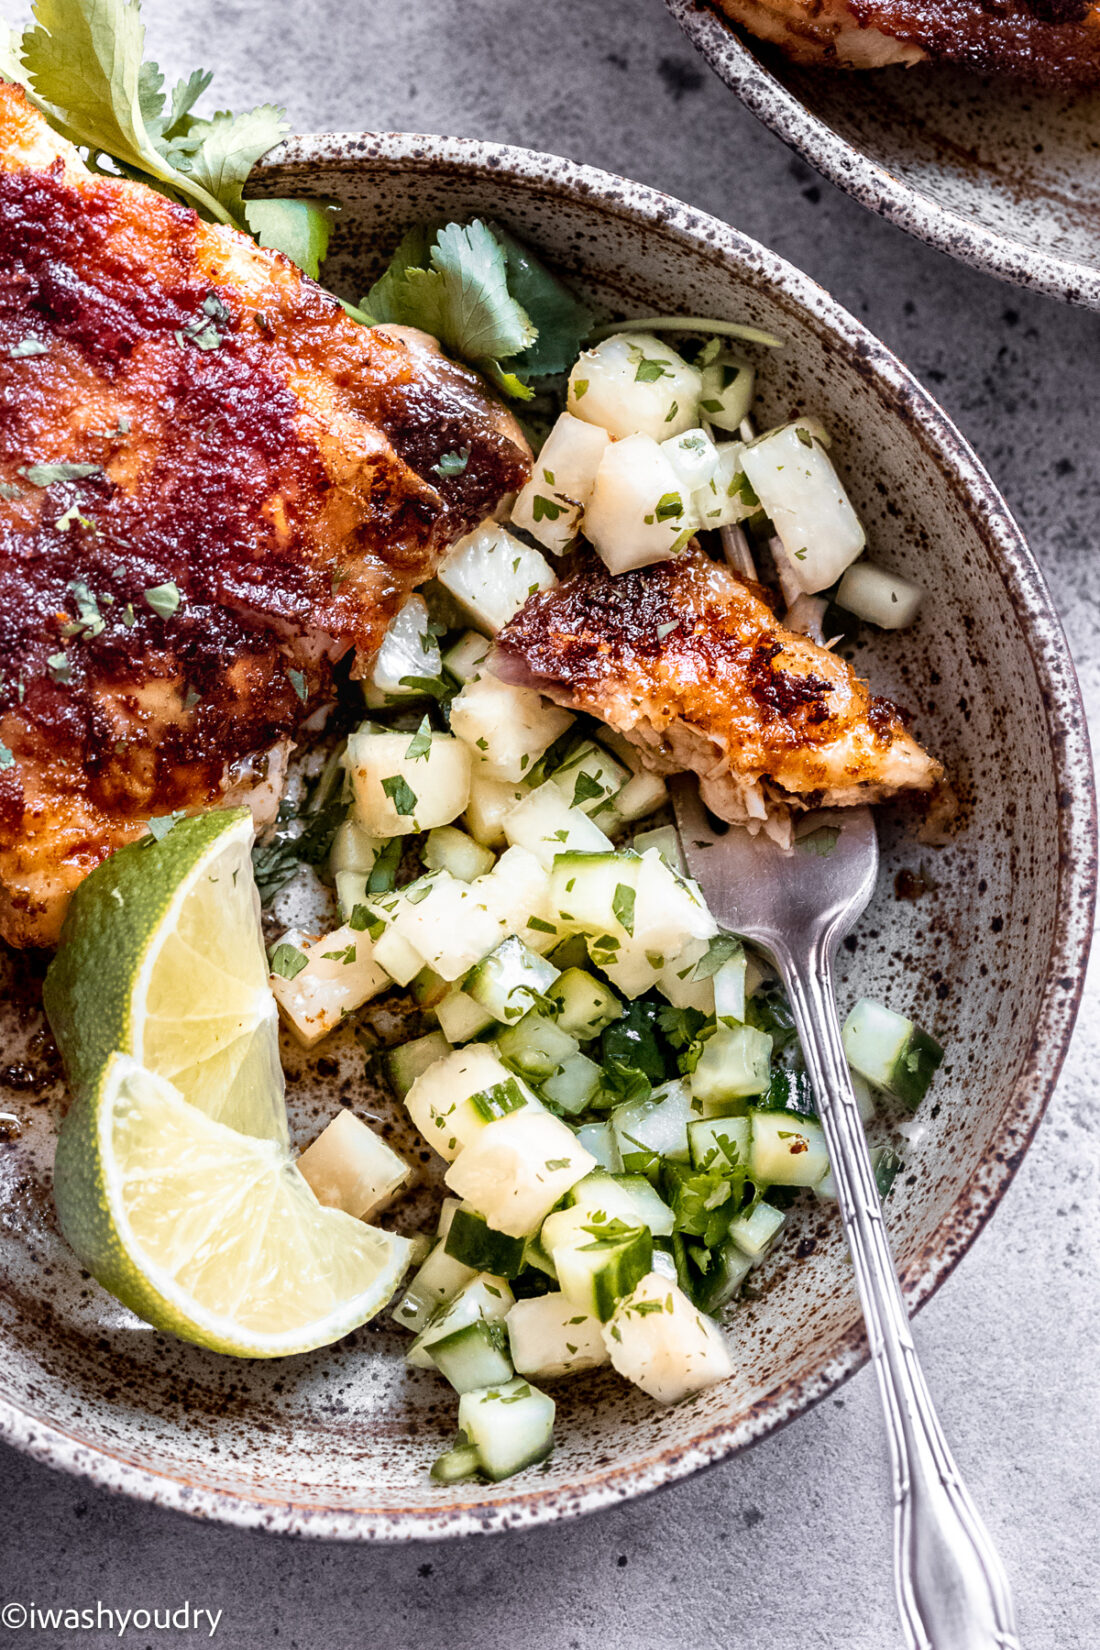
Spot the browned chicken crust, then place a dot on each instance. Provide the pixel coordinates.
(241, 441)
(691, 666)
(1049, 42)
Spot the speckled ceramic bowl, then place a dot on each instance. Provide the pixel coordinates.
(339, 1443)
(1003, 177)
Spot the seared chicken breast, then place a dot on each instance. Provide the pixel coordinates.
(691, 666)
(213, 483)
(1050, 42)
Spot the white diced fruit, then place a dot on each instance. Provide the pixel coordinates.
(793, 477)
(506, 728)
(548, 1337)
(339, 974)
(668, 910)
(516, 890)
(638, 513)
(451, 924)
(660, 1341)
(439, 1100)
(466, 658)
(490, 573)
(694, 457)
(517, 1168)
(549, 507)
(491, 801)
(407, 782)
(546, 826)
(635, 384)
(882, 598)
(727, 497)
(409, 655)
(350, 1167)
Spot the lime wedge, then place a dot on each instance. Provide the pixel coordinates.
(208, 1233)
(162, 957)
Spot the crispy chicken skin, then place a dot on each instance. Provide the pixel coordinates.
(1049, 42)
(250, 446)
(690, 665)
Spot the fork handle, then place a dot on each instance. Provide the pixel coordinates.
(952, 1591)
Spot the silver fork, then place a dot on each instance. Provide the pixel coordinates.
(952, 1591)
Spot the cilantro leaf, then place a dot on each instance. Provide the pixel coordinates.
(421, 743)
(463, 298)
(401, 794)
(225, 148)
(562, 322)
(385, 300)
(287, 961)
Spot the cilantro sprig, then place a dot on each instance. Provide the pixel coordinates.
(82, 65)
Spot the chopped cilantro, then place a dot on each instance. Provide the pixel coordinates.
(45, 475)
(28, 346)
(580, 388)
(622, 904)
(164, 599)
(400, 793)
(648, 371)
(160, 825)
(420, 745)
(297, 680)
(287, 961)
(452, 464)
(7, 757)
(586, 789)
(670, 506)
(59, 667)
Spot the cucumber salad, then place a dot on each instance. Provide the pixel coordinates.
(612, 1085)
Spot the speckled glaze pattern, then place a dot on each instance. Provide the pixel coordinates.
(337, 1444)
(1003, 176)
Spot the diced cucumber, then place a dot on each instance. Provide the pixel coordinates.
(791, 1090)
(510, 980)
(354, 849)
(599, 1258)
(755, 1231)
(393, 952)
(339, 975)
(407, 658)
(891, 1051)
(584, 1004)
(638, 513)
(518, 1167)
(647, 1130)
(461, 1018)
(670, 909)
(451, 924)
(886, 1163)
(441, 1100)
(506, 728)
(635, 381)
(574, 1085)
(466, 657)
(865, 1100)
(490, 574)
(600, 1140)
(351, 892)
(511, 1426)
(595, 893)
(664, 1263)
(485, 1299)
(473, 1241)
(455, 1464)
(449, 849)
(735, 1062)
(549, 1337)
(642, 795)
(571, 952)
(882, 598)
(517, 891)
(589, 777)
(625, 1197)
(718, 1141)
(729, 987)
(664, 1344)
(726, 392)
(794, 479)
(474, 1356)
(537, 1255)
(491, 801)
(545, 824)
(665, 839)
(728, 1269)
(428, 988)
(682, 982)
(350, 1167)
(404, 1064)
(549, 506)
(438, 1281)
(536, 1047)
(786, 1150)
(403, 783)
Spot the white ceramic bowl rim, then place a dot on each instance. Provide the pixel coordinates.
(870, 183)
(498, 1509)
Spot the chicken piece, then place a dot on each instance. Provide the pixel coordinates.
(213, 483)
(690, 665)
(1050, 42)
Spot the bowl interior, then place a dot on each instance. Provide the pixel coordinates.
(1004, 176)
(340, 1442)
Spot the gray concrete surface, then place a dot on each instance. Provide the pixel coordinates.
(788, 1547)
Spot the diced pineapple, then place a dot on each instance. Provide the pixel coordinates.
(491, 801)
(409, 655)
(407, 782)
(338, 976)
(517, 1168)
(660, 1341)
(635, 383)
(545, 824)
(549, 507)
(449, 923)
(507, 728)
(491, 574)
(638, 513)
(350, 1167)
(793, 477)
(439, 1100)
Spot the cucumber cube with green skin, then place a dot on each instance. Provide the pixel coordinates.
(755, 1231)
(598, 1261)
(667, 843)
(890, 1051)
(460, 1018)
(510, 980)
(536, 1254)
(729, 987)
(594, 893)
(455, 1098)
(886, 1162)
(625, 1197)
(474, 1356)
(719, 1142)
(728, 1269)
(786, 1150)
(467, 656)
(571, 952)
(428, 988)
(511, 1426)
(575, 1084)
(404, 1064)
(599, 1139)
(483, 1297)
(584, 1005)
(735, 1063)
(589, 777)
(437, 1282)
(473, 1241)
(537, 1047)
(548, 1337)
(449, 849)
(647, 1130)
(791, 1091)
